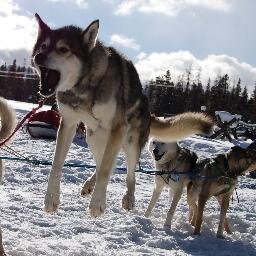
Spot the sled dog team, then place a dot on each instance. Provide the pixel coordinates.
(97, 85)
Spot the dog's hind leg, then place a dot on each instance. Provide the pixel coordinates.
(132, 152)
(65, 136)
(159, 185)
(114, 142)
(224, 204)
(175, 200)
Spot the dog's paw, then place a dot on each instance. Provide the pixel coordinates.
(196, 233)
(51, 202)
(88, 187)
(128, 202)
(97, 206)
(220, 236)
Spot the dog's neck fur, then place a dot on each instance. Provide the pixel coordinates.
(237, 167)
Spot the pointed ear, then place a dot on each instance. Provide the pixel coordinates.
(236, 148)
(41, 25)
(90, 34)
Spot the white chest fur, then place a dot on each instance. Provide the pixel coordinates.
(101, 115)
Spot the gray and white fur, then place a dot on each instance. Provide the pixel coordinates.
(100, 87)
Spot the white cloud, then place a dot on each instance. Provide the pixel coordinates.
(124, 41)
(154, 64)
(80, 3)
(167, 7)
(18, 31)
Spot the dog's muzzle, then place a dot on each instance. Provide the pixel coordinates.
(49, 78)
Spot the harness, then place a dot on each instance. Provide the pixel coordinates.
(221, 170)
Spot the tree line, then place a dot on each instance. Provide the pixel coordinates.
(168, 97)
(17, 68)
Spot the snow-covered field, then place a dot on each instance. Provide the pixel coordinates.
(27, 230)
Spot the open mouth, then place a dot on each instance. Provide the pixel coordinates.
(158, 157)
(49, 79)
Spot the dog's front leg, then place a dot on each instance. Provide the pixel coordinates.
(159, 185)
(224, 204)
(114, 141)
(65, 136)
(191, 200)
(176, 198)
(132, 151)
(199, 215)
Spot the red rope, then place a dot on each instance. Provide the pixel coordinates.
(27, 116)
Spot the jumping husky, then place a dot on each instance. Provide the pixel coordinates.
(98, 86)
(7, 116)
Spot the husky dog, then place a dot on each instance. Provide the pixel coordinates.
(221, 178)
(170, 158)
(7, 116)
(96, 85)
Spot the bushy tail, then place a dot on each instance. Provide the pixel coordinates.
(180, 126)
(8, 120)
(8, 117)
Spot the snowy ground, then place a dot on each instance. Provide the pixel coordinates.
(27, 230)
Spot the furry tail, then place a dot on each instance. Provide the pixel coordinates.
(8, 120)
(8, 117)
(180, 126)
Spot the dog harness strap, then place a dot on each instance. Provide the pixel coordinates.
(27, 116)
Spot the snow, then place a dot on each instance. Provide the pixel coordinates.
(28, 231)
(227, 117)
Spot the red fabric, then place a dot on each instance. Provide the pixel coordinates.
(23, 120)
(49, 117)
(81, 126)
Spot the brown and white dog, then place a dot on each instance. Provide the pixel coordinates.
(221, 178)
(7, 116)
(170, 158)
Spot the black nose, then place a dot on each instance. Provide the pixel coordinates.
(40, 59)
(155, 151)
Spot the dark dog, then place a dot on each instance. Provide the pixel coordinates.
(220, 180)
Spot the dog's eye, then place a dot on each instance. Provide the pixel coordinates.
(43, 46)
(63, 49)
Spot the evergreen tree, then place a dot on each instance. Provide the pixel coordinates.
(13, 67)
(168, 78)
(3, 67)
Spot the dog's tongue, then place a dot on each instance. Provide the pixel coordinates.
(49, 81)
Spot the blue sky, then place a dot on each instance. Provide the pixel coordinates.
(213, 36)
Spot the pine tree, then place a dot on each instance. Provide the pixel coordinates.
(13, 67)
